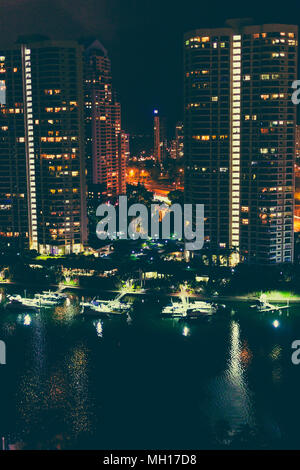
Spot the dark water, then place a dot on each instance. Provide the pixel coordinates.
(150, 383)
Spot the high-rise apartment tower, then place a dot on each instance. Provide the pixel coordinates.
(42, 184)
(107, 151)
(240, 137)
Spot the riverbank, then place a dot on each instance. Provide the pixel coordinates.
(272, 296)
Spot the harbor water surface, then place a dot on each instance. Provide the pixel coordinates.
(143, 382)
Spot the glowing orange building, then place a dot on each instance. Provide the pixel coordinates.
(107, 145)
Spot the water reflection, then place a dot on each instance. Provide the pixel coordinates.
(99, 328)
(277, 371)
(229, 397)
(79, 413)
(27, 320)
(67, 372)
(277, 374)
(235, 373)
(275, 353)
(186, 331)
(64, 314)
(31, 392)
(246, 354)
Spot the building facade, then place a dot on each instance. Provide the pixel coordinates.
(179, 138)
(240, 126)
(14, 226)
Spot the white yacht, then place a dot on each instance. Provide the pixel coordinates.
(262, 305)
(176, 309)
(189, 310)
(202, 307)
(46, 299)
(106, 307)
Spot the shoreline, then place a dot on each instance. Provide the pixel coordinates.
(149, 293)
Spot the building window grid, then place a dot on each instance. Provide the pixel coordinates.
(235, 141)
(30, 147)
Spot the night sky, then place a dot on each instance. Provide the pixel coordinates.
(143, 37)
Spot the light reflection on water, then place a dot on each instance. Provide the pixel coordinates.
(186, 331)
(99, 328)
(64, 314)
(229, 398)
(68, 366)
(80, 415)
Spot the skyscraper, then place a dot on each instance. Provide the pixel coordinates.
(177, 144)
(240, 137)
(43, 151)
(107, 144)
(13, 180)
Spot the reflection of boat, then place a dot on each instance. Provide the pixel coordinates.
(99, 327)
(262, 305)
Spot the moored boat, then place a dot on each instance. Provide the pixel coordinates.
(263, 306)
